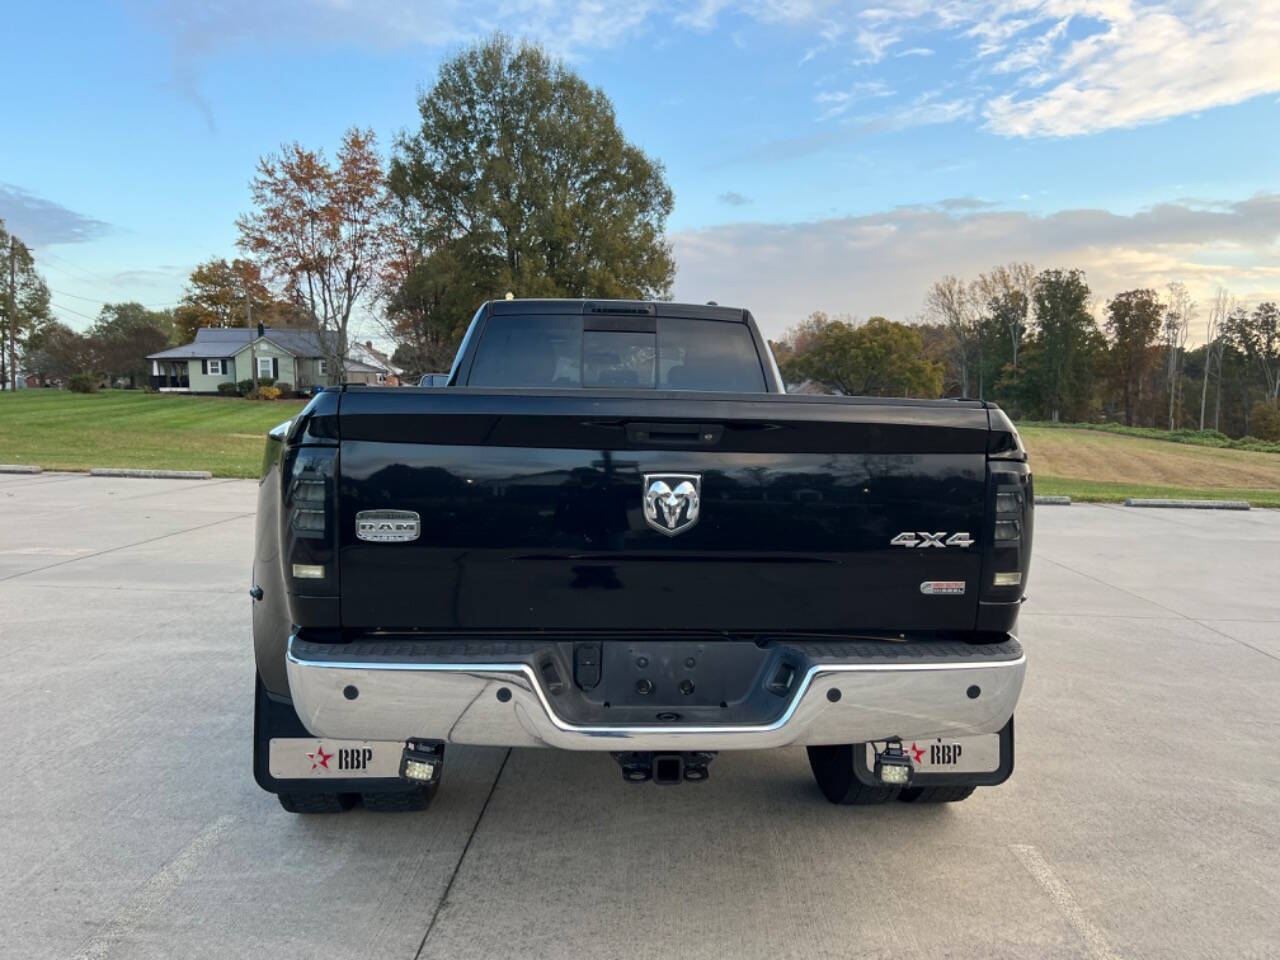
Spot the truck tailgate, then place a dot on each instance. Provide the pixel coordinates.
(532, 511)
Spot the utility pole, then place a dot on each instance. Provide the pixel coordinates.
(253, 348)
(13, 312)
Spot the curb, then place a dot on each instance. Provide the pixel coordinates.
(1191, 504)
(1053, 501)
(19, 468)
(151, 474)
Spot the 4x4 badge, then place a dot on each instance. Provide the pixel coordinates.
(923, 539)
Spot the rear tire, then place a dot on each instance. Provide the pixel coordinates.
(832, 767)
(316, 802)
(399, 801)
(936, 794)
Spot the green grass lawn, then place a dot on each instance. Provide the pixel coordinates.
(1113, 466)
(1097, 492)
(128, 428)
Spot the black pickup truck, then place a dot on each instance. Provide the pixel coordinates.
(612, 530)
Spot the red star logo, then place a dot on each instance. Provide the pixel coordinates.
(320, 758)
(916, 753)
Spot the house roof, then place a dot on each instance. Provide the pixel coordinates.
(215, 343)
(199, 351)
(367, 353)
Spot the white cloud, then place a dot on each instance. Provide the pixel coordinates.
(1150, 62)
(1039, 67)
(838, 102)
(883, 262)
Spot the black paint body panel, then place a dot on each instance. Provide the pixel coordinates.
(531, 509)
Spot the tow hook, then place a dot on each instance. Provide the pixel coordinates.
(664, 769)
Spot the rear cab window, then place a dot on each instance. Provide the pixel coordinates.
(623, 353)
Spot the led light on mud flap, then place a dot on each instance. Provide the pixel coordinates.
(421, 761)
(1012, 579)
(893, 767)
(308, 571)
(419, 770)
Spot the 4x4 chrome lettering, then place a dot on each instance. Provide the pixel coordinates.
(922, 538)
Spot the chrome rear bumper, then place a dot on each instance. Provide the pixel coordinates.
(503, 704)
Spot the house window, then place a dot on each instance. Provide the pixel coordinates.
(215, 368)
(322, 366)
(264, 366)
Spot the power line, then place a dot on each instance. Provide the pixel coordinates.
(149, 306)
(76, 296)
(101, 279)
(58, 306)
(89, 273)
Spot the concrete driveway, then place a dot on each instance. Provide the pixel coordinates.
(1143, 819)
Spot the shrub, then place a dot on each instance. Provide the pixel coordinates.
(1264, 421)
(268, 392)
(83, 383)
(246, 386)
(285, 388)
(229, 389)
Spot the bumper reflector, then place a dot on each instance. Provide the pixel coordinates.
(1012, 579)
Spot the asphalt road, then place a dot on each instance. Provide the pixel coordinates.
(1143, 819)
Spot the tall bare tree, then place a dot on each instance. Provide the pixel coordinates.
(322, 231)
(954, 304)
(1177, 326)
(1013, 285)
(1221, 308)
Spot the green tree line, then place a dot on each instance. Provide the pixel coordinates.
(1032, 342)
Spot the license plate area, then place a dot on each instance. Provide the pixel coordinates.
(307, 758)
(983, 760)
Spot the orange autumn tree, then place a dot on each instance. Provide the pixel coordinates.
(322, 232)
(222, 294)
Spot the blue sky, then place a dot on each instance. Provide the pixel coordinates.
(824, 154)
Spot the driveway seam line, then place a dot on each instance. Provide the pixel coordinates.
(457, 867)
(1177, 613)
(124, 546)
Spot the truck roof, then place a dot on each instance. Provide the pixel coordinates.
(649, 308)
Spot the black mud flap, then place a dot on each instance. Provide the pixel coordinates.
(275, 717)
(973, 779)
